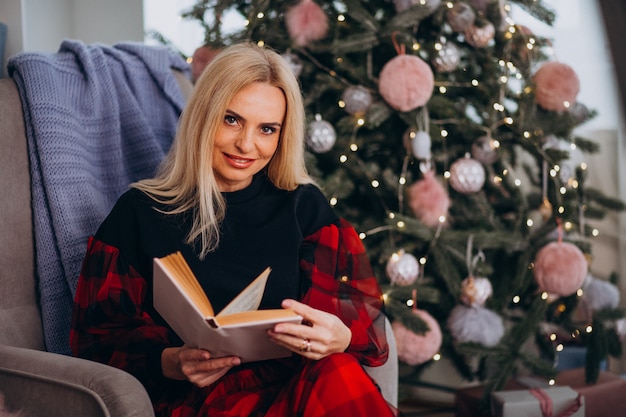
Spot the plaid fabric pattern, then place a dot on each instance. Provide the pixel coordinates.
(113, 323)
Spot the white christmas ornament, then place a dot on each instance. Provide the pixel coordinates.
(599, 294)
(321, 135)
(467, 175)
(402, 268)
(420, 145)
(294, 63)
(475, 291)
(475, 324)
(357, 99)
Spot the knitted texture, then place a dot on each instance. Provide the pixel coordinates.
(97, 118)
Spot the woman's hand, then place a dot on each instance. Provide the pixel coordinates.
(319, 335)
(195, 365)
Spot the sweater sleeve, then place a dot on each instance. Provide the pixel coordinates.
(334, 262)
(111, 323)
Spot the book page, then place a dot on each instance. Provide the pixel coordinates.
(250, 297)
(178, 269)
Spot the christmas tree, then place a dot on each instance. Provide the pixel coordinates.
(444, 132)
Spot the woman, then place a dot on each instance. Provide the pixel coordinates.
(233, 196)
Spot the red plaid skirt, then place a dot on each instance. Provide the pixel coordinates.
(335, 386)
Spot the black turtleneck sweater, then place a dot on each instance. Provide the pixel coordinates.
(264, 226)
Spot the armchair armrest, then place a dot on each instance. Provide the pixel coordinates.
(39, 383)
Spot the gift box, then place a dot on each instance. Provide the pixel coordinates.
(602, 399)
(538, 402)
(607, 397)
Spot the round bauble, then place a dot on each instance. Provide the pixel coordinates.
(306, 22)
(475, 324)
(416, 349)
(475, 291)
(402, 268)
(556, 86)
(480, 36)
(421, 144)
(560, 268)
(321, 136)
(429, 5)
(600, 295)
(460, 16)
(406, 82)
(467, 175)
(294, 63)
(447, 58)
(484, 150)
(357, 99)
(201, 57)
(428, 199)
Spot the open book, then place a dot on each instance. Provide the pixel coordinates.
(239, 329)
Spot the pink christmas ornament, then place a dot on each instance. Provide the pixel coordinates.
(406, 82)
(560, 268)
(413, 348)
(306, 22)
(428, 199)
(556, 86)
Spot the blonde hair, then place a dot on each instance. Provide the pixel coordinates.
(185, 179)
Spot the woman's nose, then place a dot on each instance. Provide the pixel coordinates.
(245, 141)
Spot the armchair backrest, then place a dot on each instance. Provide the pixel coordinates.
(20, 321)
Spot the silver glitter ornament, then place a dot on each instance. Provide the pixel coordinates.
(448, 58)
(475, 291)
(430, 5)
(357, 99)
(467, 175)
(484, 150)
(402, 268)
(480, 37)
(460, 17)
(321, 135)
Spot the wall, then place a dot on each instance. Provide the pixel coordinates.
(41, 25)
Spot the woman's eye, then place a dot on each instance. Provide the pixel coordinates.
(268, 130)
(230, 120)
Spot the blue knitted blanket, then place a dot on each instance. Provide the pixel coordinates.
(97, 117)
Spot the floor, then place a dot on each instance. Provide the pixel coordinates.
(413, 409)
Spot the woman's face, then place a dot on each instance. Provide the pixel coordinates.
(248, 135)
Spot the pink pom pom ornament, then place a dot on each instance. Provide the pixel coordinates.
(556, 86)
(428, 199)
(416, 349)
(306, 22)
(560, 268)
(406, 82)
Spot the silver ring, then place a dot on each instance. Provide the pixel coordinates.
(306, 345)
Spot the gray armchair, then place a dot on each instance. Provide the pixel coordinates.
(32, 380)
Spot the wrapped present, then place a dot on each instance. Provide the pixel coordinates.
(604, 398)
(538, 402)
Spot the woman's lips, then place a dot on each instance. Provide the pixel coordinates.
(238, 161)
